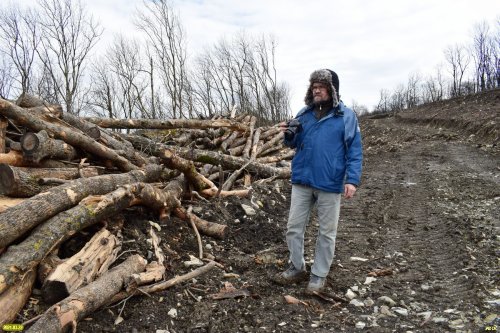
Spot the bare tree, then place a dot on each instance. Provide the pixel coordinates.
(482, 53)
(243, 73)
(166, 39)
(458, 59)
(434, 87)
(384, 103)
(20, 38)
(69, 34)
(412, 97)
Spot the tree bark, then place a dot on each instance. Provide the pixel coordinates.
(27, 254)
(86, 300)
(38, 146)
(167, 124)
(18, 184)
(74, 138)
(91, 261)
(14, 298)
(15, 221)
(3, 133)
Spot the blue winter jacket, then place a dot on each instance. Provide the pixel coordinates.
(328, 151)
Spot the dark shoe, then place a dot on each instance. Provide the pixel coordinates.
(316, 284)
(290, 276)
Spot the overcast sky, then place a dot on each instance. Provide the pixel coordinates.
(370, 44)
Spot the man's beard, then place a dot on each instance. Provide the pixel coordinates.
(322, 102)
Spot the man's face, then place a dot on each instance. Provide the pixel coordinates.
(320, 93)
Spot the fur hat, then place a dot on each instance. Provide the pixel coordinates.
(328, 77)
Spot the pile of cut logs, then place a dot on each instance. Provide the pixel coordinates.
(60, 174)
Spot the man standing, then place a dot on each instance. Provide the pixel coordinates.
(327, 162)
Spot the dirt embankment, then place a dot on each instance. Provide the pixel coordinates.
(427, 212)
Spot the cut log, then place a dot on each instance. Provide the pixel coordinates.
(211, 229)
(13, 299)
(12, 158)
(74, 138)
(26, 182)
(84, 267)
(84, 301)
(60, 173)
(248, 144)
(27, 254)
(285, 154)
(37, 146)
(273, 142)
(6, 202)
(15, 221)
(167, 124)
(3, 132)
(18, 184)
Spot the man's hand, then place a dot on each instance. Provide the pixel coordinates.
(349, 191)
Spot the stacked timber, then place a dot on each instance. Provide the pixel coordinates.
(61, 175)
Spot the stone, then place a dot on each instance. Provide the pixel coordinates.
(426, 315)
(356, 303)
(350, 294)
(386, 300)
(384, 309)
(370, 279)
(401, 311)
(368, 302)
(360, 325)
(250, 211)
(438, 320)
(172, 313)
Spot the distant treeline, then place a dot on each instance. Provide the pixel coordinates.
(49, 50)
(468, 69)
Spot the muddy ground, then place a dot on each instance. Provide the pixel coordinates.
(427, 211)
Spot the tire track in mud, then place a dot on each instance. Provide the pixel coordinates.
(419, 211)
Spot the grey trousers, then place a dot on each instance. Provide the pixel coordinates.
(328, 207)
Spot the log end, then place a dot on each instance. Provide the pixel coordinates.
(54, 291)
(29, 142)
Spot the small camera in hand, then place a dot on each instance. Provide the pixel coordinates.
(292, 127)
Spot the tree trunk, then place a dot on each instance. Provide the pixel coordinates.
(91, 261)
(74, 138)
(86, 300)
(37, 146)
(18, 184)
(19, 258)
(167, 124)
(3, 133)
(15, 221)
(14, 298)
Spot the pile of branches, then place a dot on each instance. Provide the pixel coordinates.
(60, 174)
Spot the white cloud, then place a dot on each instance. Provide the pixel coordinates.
(370, 44)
